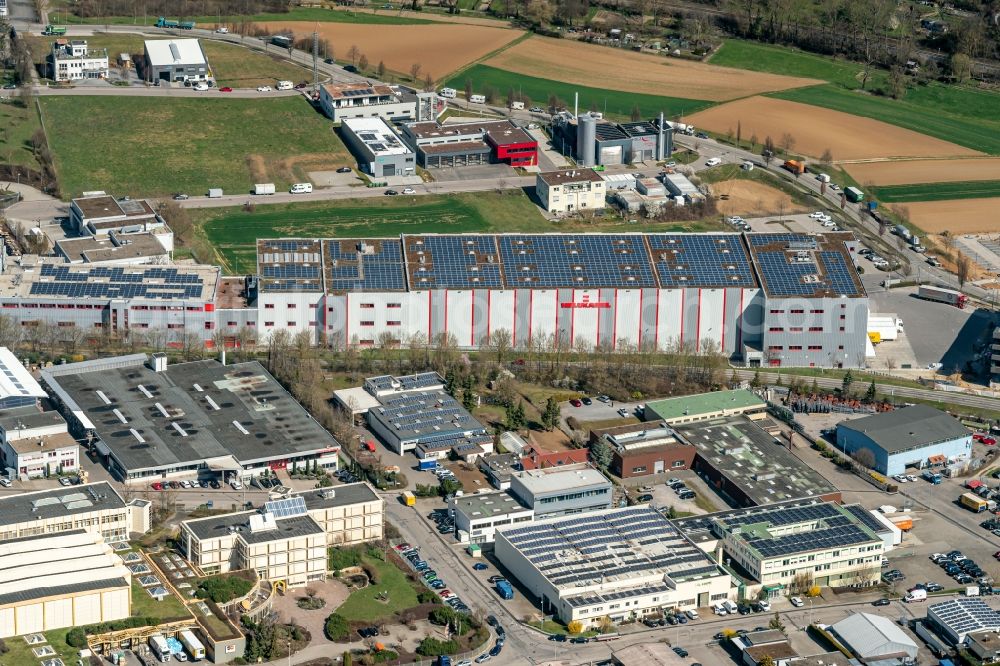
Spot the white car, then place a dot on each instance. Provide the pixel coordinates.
(828, 223)
(236, 485)
(409, 190)
(765, 605)
(818, 215)
(834, 187)
(264, 89)
(797, 602)
(222, 31)
(911, 478)
(735, 219)
(714, 161)
(200, 87)
(4, 482)
(900, 478)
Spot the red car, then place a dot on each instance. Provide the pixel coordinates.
(225, 89)
(157, 486)
(576, 403)
(984, 439)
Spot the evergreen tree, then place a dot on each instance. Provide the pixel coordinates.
(845, 386)
(450, 381)
(551, 415)
(755, 382)
(468, 399)
(870, 394)
(600, 453)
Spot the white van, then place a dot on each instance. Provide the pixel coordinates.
(449, 93)
(713, 161)
(301, 188)
(730, 607)
(285, 85)
(222, 30)
(915, 595)
(517, 106)
(823, 178)
(478, 99)
(719, 609)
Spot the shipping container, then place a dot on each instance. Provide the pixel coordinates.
(853, 194)
(973, 502)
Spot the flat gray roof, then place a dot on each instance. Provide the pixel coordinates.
(216, 526)
(59, 502)
(757, 463)
(28, 418)
(485, 505)
(189, 413)
(352, 493)
(908, 428)
(557, 479)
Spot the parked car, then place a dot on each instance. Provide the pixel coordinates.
(409, 190)
(345, 169)
(225, 89)
(156, 485)
(64, 481)
(480, 566)
(181, 197)
(587, 401)
(881, 602)
(391, 193)
(264, 89)
(644, 498)
(797, 602)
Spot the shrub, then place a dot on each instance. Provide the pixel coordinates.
(341, 558)
(575, 627)
(76, 637)
(221, 589)
(432, 647)
(461, 622)
(385, 655)
(373, 573)
(337, 628)
(427, 597)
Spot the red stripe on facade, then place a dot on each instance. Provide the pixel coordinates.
(446, 313)
(739, 326)
(489, 311)
(597, 344)
(531, 312)
(723, 343)
(642, 294)
(429, 310)
(572, 316)
(656, 322)
(472, 332)
(614, 324)
(697, 326)
(513, 323)
(683, 302)
(347, 319)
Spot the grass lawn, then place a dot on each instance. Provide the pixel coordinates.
(937, 191)
(156, 146)
(295, 14)
(734, 172)
(612, 103)
(362, 604)
(143, 605)
(17, 124)
(20, 654)
(758, 57)
(956, 122)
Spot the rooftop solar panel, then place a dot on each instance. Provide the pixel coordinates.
(116, 282)
(701, 260)
(580, 261)
(453, 262)
(365, 265)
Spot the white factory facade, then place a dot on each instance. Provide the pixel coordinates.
(763, 299)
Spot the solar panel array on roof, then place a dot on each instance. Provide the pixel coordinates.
(817, 539)
(286, 508)
(865, 517)
(116, 282)
(966, 615)
(582, 261)
(784, 515)
(453, 262)
(701, 260)
(365, 265)
(800, 265)
(290, 265)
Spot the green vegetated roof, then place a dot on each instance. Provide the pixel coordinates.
(704, 403)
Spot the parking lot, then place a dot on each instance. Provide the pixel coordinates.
(598, 410)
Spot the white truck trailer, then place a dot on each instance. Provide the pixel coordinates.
(887, 326)
(192, 644)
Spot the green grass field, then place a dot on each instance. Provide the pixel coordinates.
(296, 14)
(362, 604)
(937, 191)
(153, 145)
(758, 57)
(19, 653)
(972, 131)
(613, 103)
(143, 605)
(17, 124)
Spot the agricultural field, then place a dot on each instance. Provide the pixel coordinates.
(295, 14)
(750, 198)
(758, 57)
(960, 216)
(538, 91)
(17, 124)
(977, 189)
(907, 172)
(439, 48)
(584, 64)
(158, 146)
(817, 129)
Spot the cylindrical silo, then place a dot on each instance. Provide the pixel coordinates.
(586, 140)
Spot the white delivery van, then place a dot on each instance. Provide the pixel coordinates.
(823, 178)
(285, 85)
(719, 609)
(478, 99)
(730, 607)
(915, 596)
(747, 165)
(301, 188)
(449, 93)
(713, 161)
(159, 646)
(263, 188)
(517, 106)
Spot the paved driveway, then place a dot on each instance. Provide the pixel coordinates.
(332, 591)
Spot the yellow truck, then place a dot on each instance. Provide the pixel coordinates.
(409, 499)
(875, 337)
(973, 502)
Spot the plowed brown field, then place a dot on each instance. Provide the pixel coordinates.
(752, 199)
(815, 129)
(959, 216)
(621, 69)
(924, 171)
(439, 48)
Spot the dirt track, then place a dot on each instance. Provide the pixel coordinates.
(960, 216)
(815, 129)
(621, 69)
(439, 48)
(752, 199)
(925, 171)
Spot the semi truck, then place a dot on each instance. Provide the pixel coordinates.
(973, 502)
(942, 295)
(54, 30)
(504, 589)
(166, 23)
(427, 464)
(795, 166)
(193, 645)
(884, 327)
(853, 194)
(186, 25)
(158, 644)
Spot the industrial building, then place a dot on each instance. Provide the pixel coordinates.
(379, 150)
(36, 444)
(705, 406)
(94, 507)
(430, 423)
(955, 619)
(678, 185)
(570, 191)
(478, 516)
(146, 420)
(617, 563)
(535, 458)
(601, 290)
(748, 466)
(57, 581)
(471, 143)
(782, 548)
(639, 450)
(874, 638)
(73, 60)
(287, 539)
(18, 387)
(176, 61)
(594, 141)
(906, 437)
(97, 213)
(119, 249)
(342, 101)
(359, 399)
(498, 469)
(561, 491)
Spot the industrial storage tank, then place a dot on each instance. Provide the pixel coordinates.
(586, 140)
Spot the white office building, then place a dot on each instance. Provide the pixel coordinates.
(36, 444)
(559, 491)
(72, 60)
(478, 516)
(94, 507)
(379, 150)
(570, 190)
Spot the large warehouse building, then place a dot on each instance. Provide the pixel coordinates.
(779, 299)
(618, 563)
(148, 421)
(94, 507)
(55, 581)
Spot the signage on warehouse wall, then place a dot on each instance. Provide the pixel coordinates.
(585, 302)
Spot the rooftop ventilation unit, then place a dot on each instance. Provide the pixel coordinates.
(104, 398)
(239, 426)
(135, 433)
(121, 417)
(143, 390)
